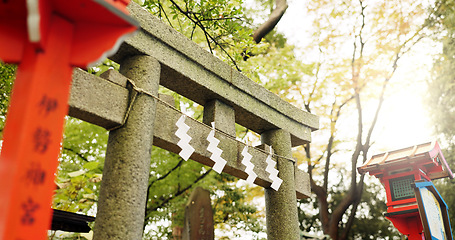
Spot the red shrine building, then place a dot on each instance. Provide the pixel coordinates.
(398, 171)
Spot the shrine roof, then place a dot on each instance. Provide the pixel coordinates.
(426, 153)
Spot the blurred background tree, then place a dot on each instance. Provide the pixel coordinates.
(441, 92)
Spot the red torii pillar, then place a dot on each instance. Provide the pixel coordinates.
(47, 38)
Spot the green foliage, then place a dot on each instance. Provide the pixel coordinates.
(79, 171)
(103, 67)
(308, 216)
(80, 168)
(370, 222)
(441, 94)
(233, 211)
(442, 18)
(7, 76)
(170, 178)
(218, 25)
(441, 87)
(172, 181)
(278, 70)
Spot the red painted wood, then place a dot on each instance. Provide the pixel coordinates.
(33, 134)
(47, 38)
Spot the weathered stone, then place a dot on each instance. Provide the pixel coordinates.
(167, 99)
(159, 54)
(302, 182)
(198, 223)
(198, 75)
(97, 101)
(164, 131)
(123, 193)
(115, 77)
(222, 114)
(281, 206)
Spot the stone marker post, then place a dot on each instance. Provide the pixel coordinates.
(281, 205)
(199, 216)
(121, 205)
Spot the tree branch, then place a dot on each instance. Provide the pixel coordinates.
(172, 196)
(355, 205)
(158, 179)
(352, 194)
(324, 214)
(165, 14)
(77, 153)
(164, 176)
(400, 52)
(330, 146)
(274, 18)
(208, 37)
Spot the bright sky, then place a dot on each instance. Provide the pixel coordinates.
(404, 120)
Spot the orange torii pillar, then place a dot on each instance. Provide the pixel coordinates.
(47, 38)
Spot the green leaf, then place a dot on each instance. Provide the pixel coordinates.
(91, 165)
(76, 173)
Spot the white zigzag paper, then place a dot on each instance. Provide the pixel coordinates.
(184, 142)
(249, 165)
(276, 181)
(216, 152)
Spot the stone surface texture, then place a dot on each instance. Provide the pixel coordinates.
(198, 75)
(281, 206)
(164, 131)
(123, 192)
(159, 55)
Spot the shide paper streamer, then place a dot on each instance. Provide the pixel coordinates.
(249, 165)
(184, 143)
(216, 152)
(276, 181)
(220, 163)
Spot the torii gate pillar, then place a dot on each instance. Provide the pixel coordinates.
(281, 206)
(123, 192)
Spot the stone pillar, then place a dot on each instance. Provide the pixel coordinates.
(281, 205)
(224, 117)
(123, 193)
(222, 114)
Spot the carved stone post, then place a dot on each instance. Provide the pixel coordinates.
(121, 205)
(198, 216)
(281, 205)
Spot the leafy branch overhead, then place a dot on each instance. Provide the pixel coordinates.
(221, 24)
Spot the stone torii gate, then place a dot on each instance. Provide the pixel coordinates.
(128, 102)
